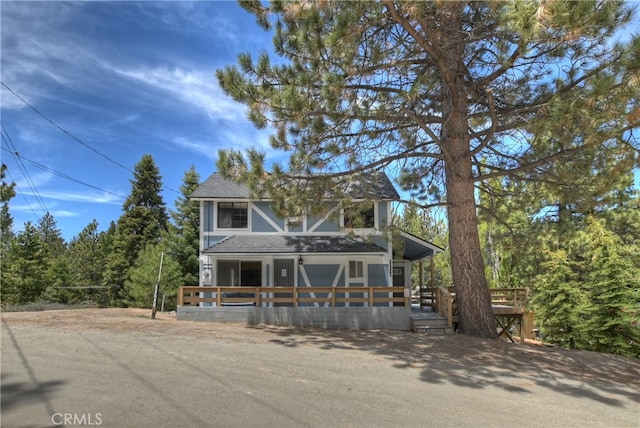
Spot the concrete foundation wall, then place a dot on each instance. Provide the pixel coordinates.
(393, 318)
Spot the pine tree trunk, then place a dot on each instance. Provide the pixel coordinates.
(473, 298)
(472, 293)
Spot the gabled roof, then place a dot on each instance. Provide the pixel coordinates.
(366, 186)
(274, 244)
(218, 187)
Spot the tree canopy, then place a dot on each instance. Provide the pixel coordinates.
(447, 95)
(142, 222)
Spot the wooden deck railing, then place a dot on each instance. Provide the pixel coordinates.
(509, 300)
(504, 302)
(294, 296)
(446, 304)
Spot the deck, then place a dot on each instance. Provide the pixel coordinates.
(362, 307)
(508, 305)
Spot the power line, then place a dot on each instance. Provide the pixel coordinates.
(73, 136)
(23, 169)
(64, 130)
(21, 193)
(59, 174)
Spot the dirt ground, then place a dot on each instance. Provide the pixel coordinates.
(120, 368)
(412, 348)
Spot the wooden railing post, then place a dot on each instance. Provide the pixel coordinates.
(180, 296)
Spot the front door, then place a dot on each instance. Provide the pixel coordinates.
(399, 280)
(283, 276)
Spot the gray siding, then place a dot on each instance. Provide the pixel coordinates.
(266, 209)
(320, 275)
(378, 275)
(259, 224)
(209, 217)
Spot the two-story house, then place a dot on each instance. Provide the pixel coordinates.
(347, 268)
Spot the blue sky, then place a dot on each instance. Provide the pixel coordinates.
(126, 79)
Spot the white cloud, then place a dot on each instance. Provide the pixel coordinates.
(206, 148)
(63, 213)
(197, 89)
(93, 198)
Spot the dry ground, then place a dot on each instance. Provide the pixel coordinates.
(110, 360)
(407, 347)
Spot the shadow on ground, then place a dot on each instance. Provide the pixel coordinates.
(478, 363)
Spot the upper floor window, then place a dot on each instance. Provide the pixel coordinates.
(233, 215)
(360, 216)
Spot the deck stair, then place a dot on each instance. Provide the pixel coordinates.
(431, 324)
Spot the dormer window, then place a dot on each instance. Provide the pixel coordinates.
(360, 216)
(233, 215)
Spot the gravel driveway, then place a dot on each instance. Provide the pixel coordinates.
(118, 368)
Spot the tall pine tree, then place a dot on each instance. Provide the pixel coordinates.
(452, 93)
(54, 259)
(25, 268)
(87, 253)
(184, 232)
(142, 222)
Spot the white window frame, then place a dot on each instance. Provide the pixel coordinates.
(357, 262)
(217, 216)
(343, 212)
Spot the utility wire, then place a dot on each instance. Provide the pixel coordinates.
(59, 174)
(23, 169)
(73, 136)
(64, 130)
(21, 193)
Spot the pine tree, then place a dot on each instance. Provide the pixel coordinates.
(142, 277)
(51, 235)
(560, 300)
(587, 294)
(25, 270)
(7, 192)
(610, 321)
(451, 93)
(184, 233)
(87, 255)
(143, 221)
(54, 260)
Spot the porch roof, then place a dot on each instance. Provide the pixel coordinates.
(415, 248)
(270, 244)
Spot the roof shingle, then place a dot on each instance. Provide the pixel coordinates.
(271, 244)
(365, 186)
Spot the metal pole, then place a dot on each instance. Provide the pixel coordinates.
(154, 309)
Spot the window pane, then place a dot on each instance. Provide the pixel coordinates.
(360, 216)
(356, 269)
(228, 273)
(233, 215)
(251, 274)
